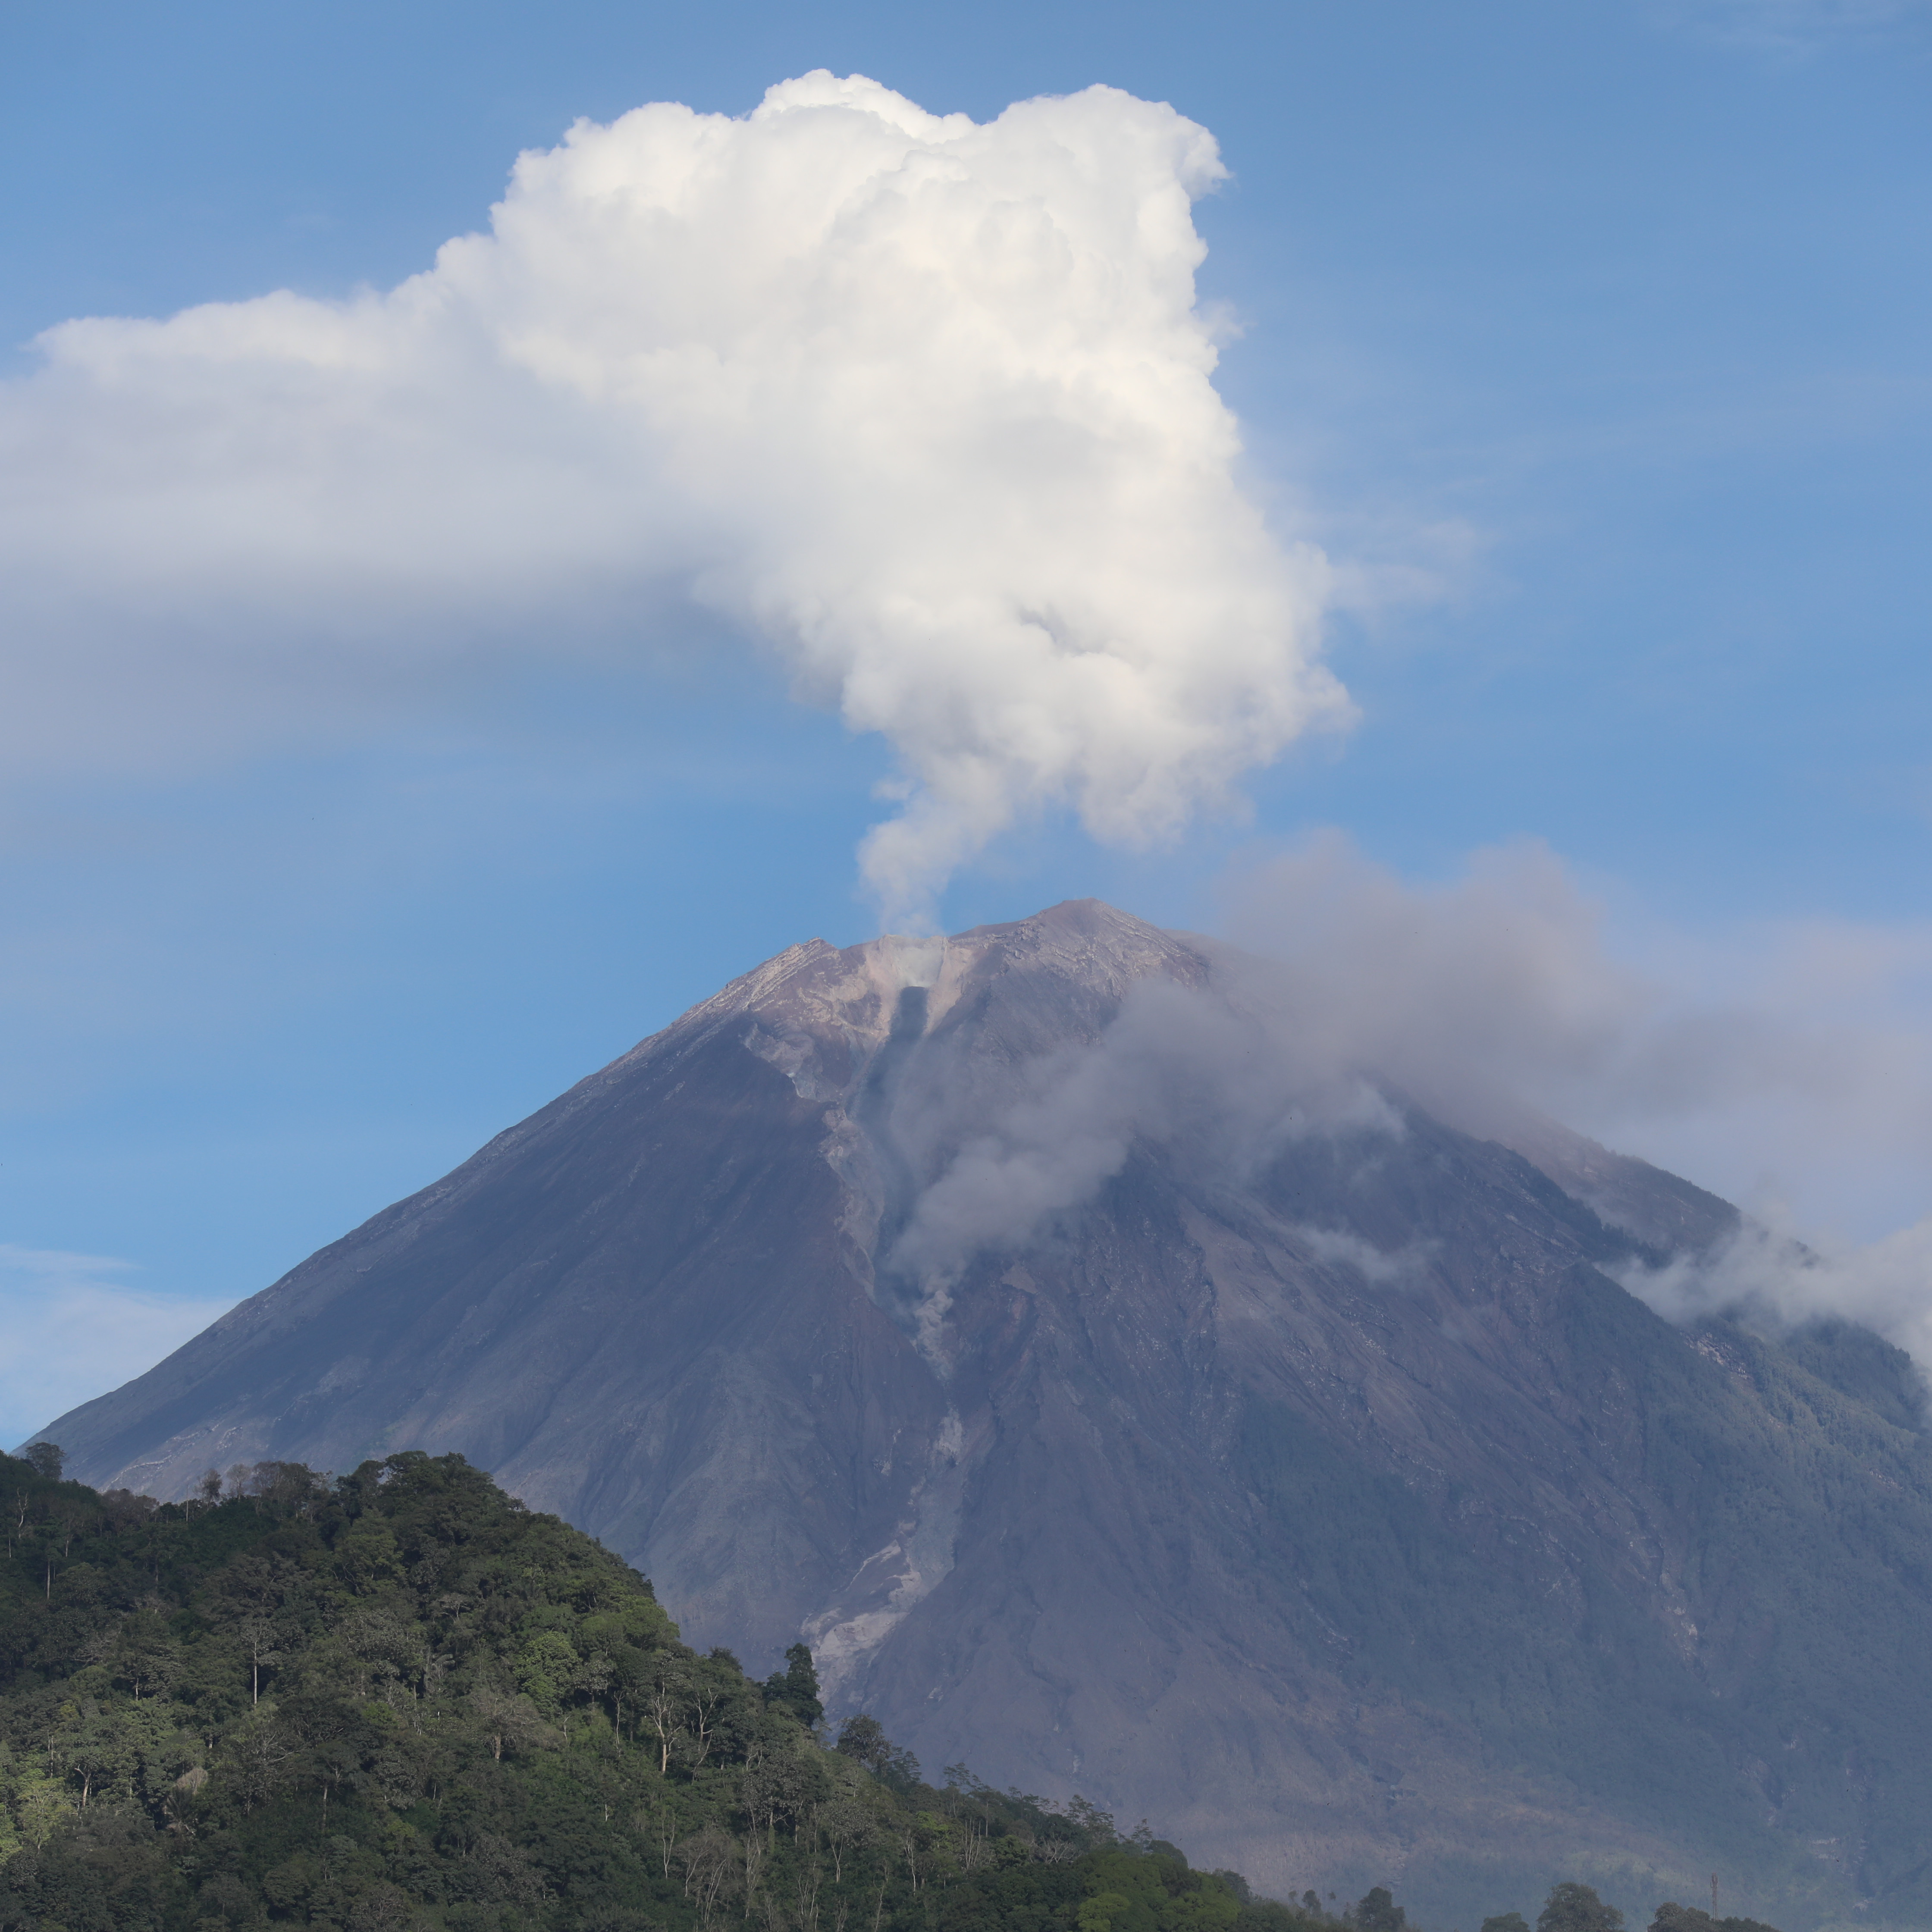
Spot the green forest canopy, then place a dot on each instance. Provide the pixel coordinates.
(400, 1701)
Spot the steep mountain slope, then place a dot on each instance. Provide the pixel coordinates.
(1123, 1397)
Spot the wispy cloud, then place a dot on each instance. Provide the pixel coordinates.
(72, 1327)
(1793, 26)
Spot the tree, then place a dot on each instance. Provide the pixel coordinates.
(775, 1785)
(1376, 1911)
(71, 1518)
(401, 1619)
(43, 1803)
(707, 1693)
(512, 1723)
(293, 1485)
(1571, 1907)
(1506, 1922)
(864, 1738)
(709, 1859)
(1097, 1914)
(144, 1656)
(662, 1702)
(258, 1636)
(92, 1747)
(47, 1459)
(846, 1826)
(1674, 1918)
(795, 1688)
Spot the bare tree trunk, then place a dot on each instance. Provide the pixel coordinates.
(809, 1877)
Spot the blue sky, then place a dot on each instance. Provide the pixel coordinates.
(1589, 341)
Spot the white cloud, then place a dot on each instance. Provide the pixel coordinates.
(73, 1329)
(927, 405)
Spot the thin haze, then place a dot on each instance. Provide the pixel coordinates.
(924, 404)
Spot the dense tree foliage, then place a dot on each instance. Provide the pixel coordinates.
(1689, 1918)
(1571, 1907)
(401, 1702)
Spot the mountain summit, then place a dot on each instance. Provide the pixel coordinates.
(1123, 1395)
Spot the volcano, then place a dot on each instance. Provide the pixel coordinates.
(1122, 1400)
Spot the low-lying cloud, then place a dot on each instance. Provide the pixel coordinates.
(1788, 1066)
(926, 405)
(1768, 1276)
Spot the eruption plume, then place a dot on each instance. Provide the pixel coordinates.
(927, 405)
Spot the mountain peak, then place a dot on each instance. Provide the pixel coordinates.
(837, 1005)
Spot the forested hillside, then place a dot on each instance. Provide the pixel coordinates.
(403, 1701)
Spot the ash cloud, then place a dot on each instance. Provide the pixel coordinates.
(1789, 1066)
(925, 405)
(1181, 1068)
(1789, 1070)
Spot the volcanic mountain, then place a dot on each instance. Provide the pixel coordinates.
(1124, 1397)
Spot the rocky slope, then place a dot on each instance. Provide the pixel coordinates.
(1123, 1398)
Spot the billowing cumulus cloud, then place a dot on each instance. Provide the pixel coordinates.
(925, 405)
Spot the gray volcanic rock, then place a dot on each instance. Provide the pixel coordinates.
(1122, 1399)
